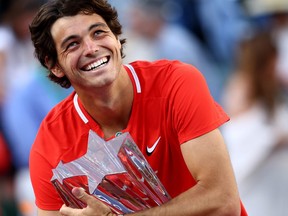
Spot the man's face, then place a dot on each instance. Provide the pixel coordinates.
(88, 52)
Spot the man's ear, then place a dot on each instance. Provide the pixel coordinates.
(56, 69)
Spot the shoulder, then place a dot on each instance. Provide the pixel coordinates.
(55, 123)
(60, 111)
(164, 77)
(161, 64)
(165, 69)
(63, 131)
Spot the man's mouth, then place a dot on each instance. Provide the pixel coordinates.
(100, 63)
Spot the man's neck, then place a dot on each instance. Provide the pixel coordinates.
(112, 108)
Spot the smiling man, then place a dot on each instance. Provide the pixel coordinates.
(165, 106)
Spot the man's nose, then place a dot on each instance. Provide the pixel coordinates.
(91, 47)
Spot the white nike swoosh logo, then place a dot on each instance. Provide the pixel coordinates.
(150, 150)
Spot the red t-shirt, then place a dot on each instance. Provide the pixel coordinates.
(171, 105)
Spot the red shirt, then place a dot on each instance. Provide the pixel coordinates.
(172, 104)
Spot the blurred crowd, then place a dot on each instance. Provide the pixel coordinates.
(240, 46)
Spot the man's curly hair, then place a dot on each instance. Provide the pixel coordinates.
(50, 12)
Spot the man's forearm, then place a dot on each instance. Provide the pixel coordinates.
(197, 201)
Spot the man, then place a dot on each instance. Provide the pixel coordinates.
(79, 42)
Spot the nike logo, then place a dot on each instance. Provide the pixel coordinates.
(149, 151)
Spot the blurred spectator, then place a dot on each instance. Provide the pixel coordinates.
(257, 135)
(16, 50)
(122, 7)
(273, 15)
(219, 24)
(17, 65)
(23, 111)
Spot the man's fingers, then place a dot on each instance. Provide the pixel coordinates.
(67, 211)
(80, 193)
(86, 198)
(94, 206)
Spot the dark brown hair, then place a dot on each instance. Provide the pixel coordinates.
(257, 59)
(50, 12)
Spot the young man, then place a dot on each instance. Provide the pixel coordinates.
(79, 42)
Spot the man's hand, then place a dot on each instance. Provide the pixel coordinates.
(94, 206)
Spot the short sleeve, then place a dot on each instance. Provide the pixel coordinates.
(46, 195)
(195, 112)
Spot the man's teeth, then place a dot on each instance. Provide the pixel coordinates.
(96, 64)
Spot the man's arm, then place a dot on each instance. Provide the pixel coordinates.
(214, 194)
(216, 191)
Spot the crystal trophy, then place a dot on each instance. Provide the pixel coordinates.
(115, 172)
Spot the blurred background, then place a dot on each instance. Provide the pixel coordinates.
(240, 46)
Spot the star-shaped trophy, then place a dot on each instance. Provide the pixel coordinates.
(115, 172)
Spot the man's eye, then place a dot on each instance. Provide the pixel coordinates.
(71, 45)
(98, 32)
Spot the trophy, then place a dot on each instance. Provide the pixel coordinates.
(115, 172)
